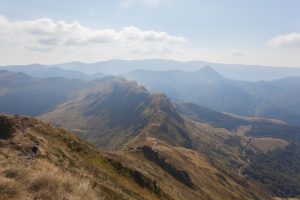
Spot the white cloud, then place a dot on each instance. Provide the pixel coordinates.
(287, 40)
(46, 36)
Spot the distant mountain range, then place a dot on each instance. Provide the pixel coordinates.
(22, 94)
(122, 67)
(197, 84)
(273, 99)
(43, 71)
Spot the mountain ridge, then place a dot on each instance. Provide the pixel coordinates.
(233, 71)
(263, 98)
(63, 161)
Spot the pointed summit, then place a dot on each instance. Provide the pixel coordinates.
(209, 73)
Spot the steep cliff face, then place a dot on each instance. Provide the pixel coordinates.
(161, 161)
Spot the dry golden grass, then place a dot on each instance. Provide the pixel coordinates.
(9, 189)
(27, 183)
(266, 145)
(257, 119)
(66, 168)
(61, 186)
(210, 182)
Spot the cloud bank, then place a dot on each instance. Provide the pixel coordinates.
(45, 35)
(287, 40)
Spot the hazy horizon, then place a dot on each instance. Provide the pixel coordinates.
(149, 59)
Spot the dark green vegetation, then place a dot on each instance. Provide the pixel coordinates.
(279, 169)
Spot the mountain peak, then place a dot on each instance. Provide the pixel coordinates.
(209, 73)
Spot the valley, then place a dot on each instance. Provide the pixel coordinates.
(149, 100)
(162, 149)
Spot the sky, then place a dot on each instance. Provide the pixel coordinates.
(263, 32)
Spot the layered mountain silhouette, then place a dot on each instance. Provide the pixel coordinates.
(121, 67)
(42, 71)
(22, 94)
(150, 147)
(274, 99)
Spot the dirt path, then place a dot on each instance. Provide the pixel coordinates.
(244, 156)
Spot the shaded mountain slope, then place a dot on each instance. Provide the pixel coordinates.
(257, 126)
(115, 111)
(204, 87)
(274, 99)
(280, 98)
(21, 94)
(272, 152)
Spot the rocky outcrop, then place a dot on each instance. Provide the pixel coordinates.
(161, 161)
(5, 128)
(139, 178)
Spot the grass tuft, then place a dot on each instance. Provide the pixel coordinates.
(8, 189)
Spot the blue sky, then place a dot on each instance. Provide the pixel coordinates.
(265, 32)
